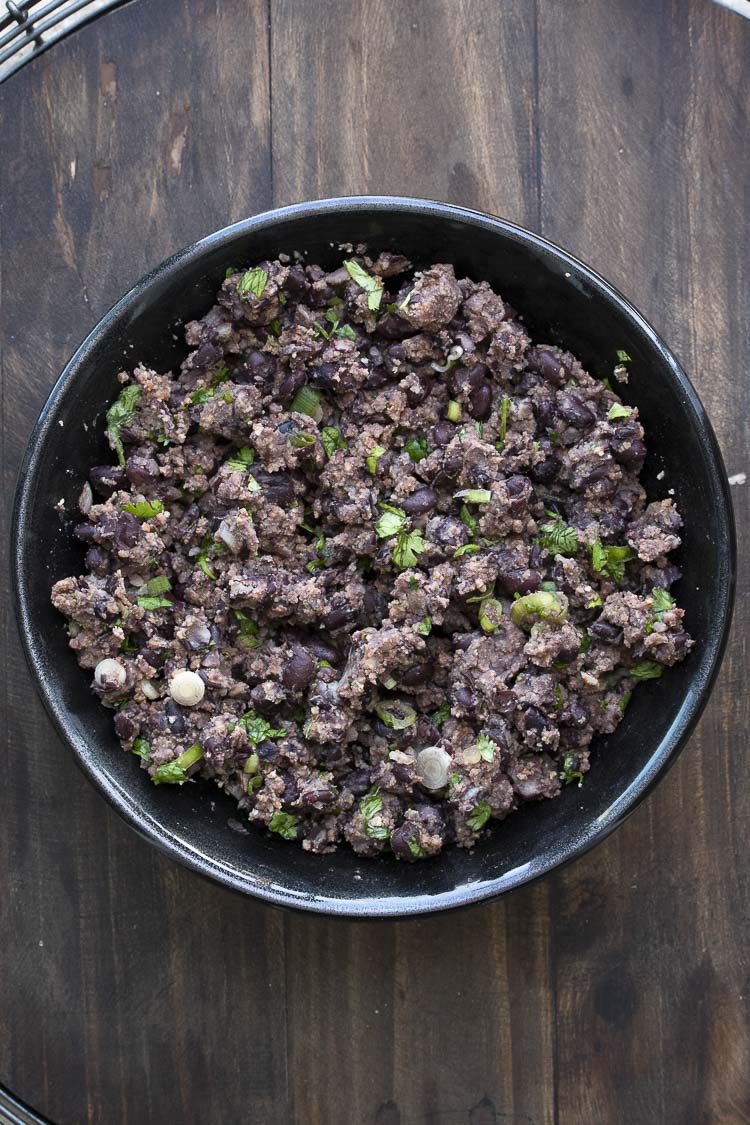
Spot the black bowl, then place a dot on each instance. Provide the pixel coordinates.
(563, 301)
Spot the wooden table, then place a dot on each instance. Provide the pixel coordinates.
(131, 992)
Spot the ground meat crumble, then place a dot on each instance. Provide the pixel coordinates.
(372, 560)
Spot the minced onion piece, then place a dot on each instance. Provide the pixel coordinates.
(433, 767)
(307, 401)
(86, 499)
(227, 536)
(187, 688)
(110, 673)
(452, 357)
(149, 690)
(397, 714)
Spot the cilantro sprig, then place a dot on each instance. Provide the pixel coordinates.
(610, 560)
(558, 537)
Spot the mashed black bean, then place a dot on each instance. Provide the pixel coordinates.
(372, 560)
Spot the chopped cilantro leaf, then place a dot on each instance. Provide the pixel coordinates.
(416, 848)
(617, 410)
(391, 522)
(371, 806)
(622, 357)
(568, 774)
(479, 816)
(558, 537)
(424, 628)
(373, 457)
(443, 712)
(154, 603)
(259, 729)
(467, 549)
(416, 448)
(646, 670)
(409, 546)
(119, 414)
(142, 748)
(285, 824)
(332, 440)
(144, 509)
(486, 748)
(373, 286)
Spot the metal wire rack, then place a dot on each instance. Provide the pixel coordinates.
(28, 27)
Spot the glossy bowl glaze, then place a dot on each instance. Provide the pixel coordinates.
(563, 302)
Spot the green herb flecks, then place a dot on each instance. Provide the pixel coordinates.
(569, 775)
(558, 537)
(610, 560)
(373, 457)
(144, 509)
(142, 748)
(479, 816)
(252, 283)
(337, 329)
(371, 808)
(439, 717)
(373, 286)
(504, 414)
(248, 633)
(284, 824)
(646, 670)
(120, 413)
(259, 729)
(617, 410)
(486, 748)
(332, 440)
(174, 772)
(417, 449)
(242, 459)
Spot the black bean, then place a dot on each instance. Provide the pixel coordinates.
(419, 502)
(534, 719)
(212, 744)
(419, 392)
(527, 382)
(321, 649)
(175, 717)
(323, 795)
(603, 631)
(106, 478)
(323, 375)
(377, 378)
(394, 359)
(462, 641)
(546, 471)
(290, 385)
(504, 702)
(262, 365)
(403, 774)
(97, 560)
(544, 413)
(296, 282)
(431, 819)
(340, 616)
(401, 838)
(443, 432)
(127, 532)
(268, 750)
(630, 453)
(520, 492)
(357, 782)
(463, 380)
(417, 675)
(393, 327)
(299, 671)
(125, 727)
(574, 715)
(198, 636)
(375, 606)
(464, 698)
(572, 410)
(88, 532)
(141, 470)
(480, 402)
(549, 366)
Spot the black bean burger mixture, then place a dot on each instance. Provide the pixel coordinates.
(373, 561)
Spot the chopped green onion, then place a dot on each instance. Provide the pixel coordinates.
(541, 606)
(467, 549)
(253, 282)
(617, 410)
(474, 495)
(373, 457)
(373, 286)
(622, 357)
(417, 449)
(646, 670)
(397, 714)
(332, 440)
(307, 401)
(173, 773)
(424, 628)
(453, 412)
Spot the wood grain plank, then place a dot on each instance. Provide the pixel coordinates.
(121, 973)
(444, 1020)
(642, 115)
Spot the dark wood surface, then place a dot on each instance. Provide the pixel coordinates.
(132, 992)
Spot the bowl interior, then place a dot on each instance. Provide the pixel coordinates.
(563, 303)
